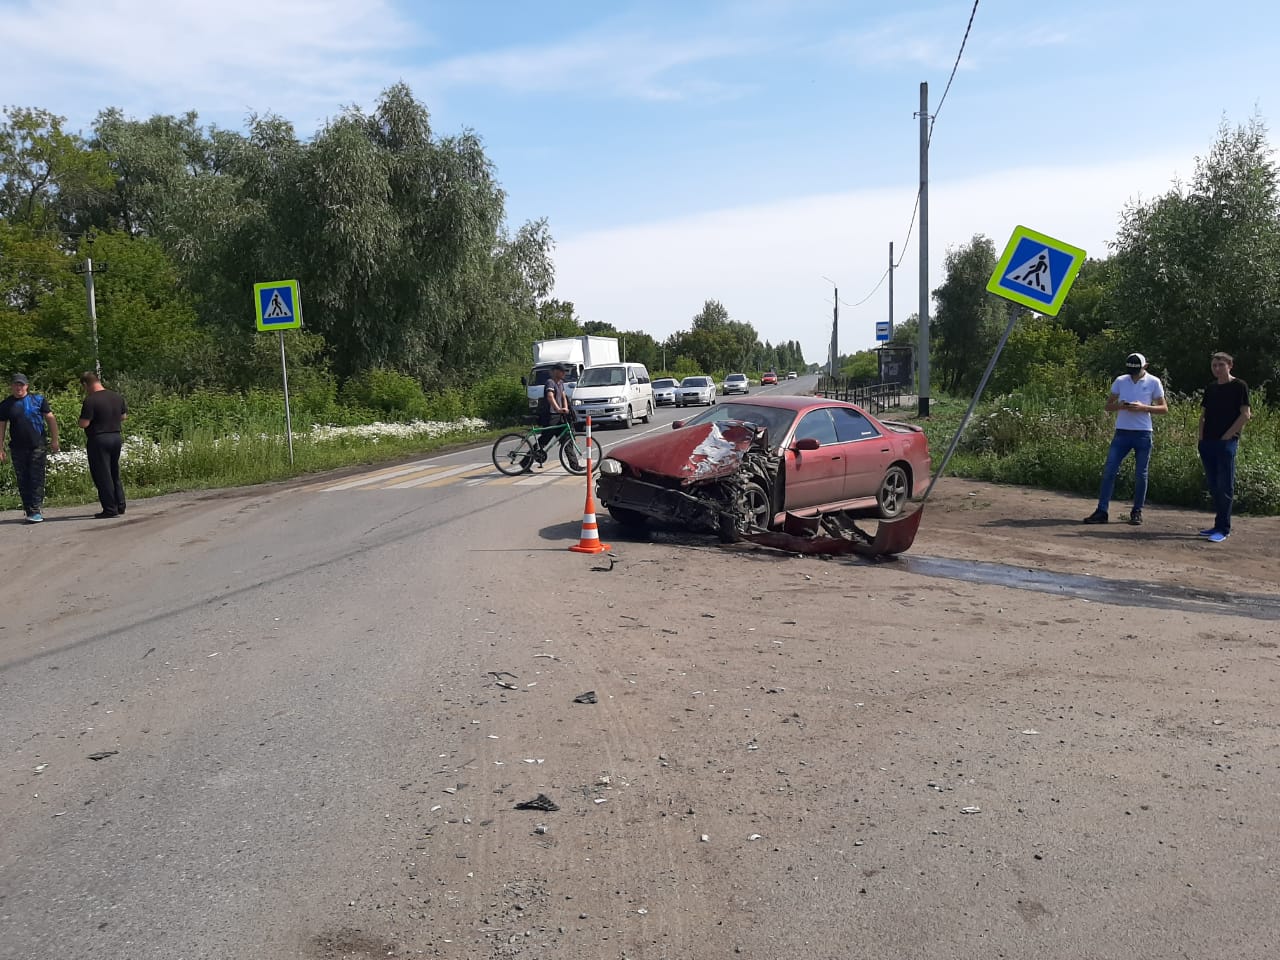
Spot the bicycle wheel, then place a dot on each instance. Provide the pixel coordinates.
(578, 446)
(513, 454)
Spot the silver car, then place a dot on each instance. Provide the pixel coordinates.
(697, 390)
(665, 391)
(736, 383)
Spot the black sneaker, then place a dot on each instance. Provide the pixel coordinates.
(1098, 516)
(1135, 518)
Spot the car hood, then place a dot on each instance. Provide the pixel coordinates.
(705, 451)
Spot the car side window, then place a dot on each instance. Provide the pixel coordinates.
(852, 425)
(817, 424)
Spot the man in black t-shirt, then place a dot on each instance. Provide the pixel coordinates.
(1224, 412)
(28, 421)
(102, 415)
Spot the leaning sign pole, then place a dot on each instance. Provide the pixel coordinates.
(1034, 271)
(279, 307)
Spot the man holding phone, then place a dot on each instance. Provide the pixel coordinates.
(1134, 398)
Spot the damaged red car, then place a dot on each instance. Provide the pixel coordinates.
(744, 465)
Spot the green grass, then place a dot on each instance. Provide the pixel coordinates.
(1060, 443)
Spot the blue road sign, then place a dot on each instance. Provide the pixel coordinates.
(882, 330)
(1036, 271)
(278, 304)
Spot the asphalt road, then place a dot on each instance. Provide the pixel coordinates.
(267, 671)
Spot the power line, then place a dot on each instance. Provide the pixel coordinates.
(915, 208)
(954, 67)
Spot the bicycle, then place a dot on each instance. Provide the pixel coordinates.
(517, 453)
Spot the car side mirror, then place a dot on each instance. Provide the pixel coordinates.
(806, 443)
(633, 381)
(677, 424)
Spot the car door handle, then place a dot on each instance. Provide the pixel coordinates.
(886, 449)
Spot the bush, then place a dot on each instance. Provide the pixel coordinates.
(389, 393)
(499, 399)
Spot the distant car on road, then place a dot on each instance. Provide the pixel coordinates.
(697, 390)
(769, 377)
(791, 375)
(736, 383)
(665, 391)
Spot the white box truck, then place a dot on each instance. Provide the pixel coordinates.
(576, 353)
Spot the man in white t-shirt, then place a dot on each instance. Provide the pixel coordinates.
(1134, 398)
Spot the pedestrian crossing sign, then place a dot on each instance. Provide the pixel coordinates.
(278, 304)
(1036, 271)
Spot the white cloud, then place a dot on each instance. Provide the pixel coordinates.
(299, 58)
(766, 262)
(609, 63)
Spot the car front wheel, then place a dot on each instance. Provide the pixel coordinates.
(891, 497)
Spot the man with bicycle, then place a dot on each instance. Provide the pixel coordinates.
(553, 409)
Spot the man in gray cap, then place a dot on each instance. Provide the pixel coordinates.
(29, 422)
(1134, 398)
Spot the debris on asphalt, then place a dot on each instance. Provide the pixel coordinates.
(604, 569)
(588, 697)
(1032, 733)
(704, 838)
(103, 754)
(540, 828)
(506, 685)
(970, 809)
(148, 653)
(540, 802)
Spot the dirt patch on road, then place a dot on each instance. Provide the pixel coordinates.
(806, 758)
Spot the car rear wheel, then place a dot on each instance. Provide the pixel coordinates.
(648, 416)
(628, 419)
(891, 497)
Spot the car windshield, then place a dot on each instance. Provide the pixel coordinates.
(695, 382)
(603, 377)
(660, 384)
(735, 377)
(778, 420)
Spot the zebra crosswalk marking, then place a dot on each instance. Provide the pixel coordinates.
(417, 477)
(366, 479)
(424, 478)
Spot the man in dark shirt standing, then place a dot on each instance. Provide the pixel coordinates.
(101, 416)
(26, 418)
(1224, 412)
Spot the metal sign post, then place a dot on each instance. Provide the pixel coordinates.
(1035, 271)
(288, 415)
(279, 307)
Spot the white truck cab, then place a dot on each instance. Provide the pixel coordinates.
(613, 393)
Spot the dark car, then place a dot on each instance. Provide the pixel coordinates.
(746, 463)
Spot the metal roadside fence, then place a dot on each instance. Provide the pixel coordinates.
(873, 396)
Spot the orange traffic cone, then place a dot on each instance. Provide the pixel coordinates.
(589, 538)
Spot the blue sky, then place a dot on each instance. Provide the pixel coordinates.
(737, 151)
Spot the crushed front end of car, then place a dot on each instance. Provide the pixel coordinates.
(696, 477)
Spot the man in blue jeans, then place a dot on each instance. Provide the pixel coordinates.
(1134, 398)
(1224, 410)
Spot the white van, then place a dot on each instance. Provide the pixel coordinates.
(613, 393)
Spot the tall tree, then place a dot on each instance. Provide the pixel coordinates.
(1198, 269)
(967, 321)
